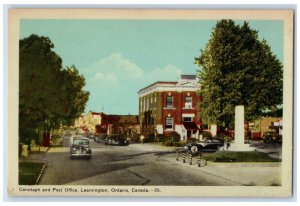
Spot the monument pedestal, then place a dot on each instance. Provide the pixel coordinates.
(240, 147)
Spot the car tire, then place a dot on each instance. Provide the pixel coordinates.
(194, 149)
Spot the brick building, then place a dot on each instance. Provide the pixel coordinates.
(165, 107)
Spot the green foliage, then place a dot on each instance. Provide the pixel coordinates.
(237, 69)
(206, 135)
(48, 95)
(253, 156)
(169, 143)
(29, 172)
(179, 144)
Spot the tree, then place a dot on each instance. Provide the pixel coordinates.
(237, 69)
(48, 94)
(76, 97)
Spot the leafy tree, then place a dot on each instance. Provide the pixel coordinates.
(48, 94)
(76, 97)
(237, 69)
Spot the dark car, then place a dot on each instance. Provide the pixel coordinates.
(80, 147)
(271, 136)
(207, 145)
(116, 139)
(100, 137)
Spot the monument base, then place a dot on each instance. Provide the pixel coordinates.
(240, 147)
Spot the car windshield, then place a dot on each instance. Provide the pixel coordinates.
(81, 142)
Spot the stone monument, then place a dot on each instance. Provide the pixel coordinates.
(213, 129)
(239, 131)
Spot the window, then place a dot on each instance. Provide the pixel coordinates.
(187, 119)
(188, 102)
(169, 123)
(169, 101)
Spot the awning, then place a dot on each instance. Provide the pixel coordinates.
(190, 126)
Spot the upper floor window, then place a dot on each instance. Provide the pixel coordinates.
(169, 101)
(188, 102)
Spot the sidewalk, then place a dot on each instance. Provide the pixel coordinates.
(150, 147)
(244, 173)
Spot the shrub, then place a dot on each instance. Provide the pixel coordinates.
(149, 138)
(206, 135)
(160, 138)
(224, 137)
(56, 139)
(192, 140)
(173, 136)
(135, 138)
(179, 144)
(168, 143)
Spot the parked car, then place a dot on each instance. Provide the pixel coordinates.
(116, 139)
(91, 136)
(100, 137)
(80, 147)
(271, 136)
(207, 145)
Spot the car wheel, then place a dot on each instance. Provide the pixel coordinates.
(194, 149)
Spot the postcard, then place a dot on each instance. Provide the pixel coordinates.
(150, 102)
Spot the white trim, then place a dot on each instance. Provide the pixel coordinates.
(190, 85)
(171, 108)
(188, 115)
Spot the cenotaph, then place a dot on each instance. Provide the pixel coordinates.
(239, 131)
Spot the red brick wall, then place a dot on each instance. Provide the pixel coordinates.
(178, 104)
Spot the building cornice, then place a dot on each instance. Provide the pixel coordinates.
(179, 86)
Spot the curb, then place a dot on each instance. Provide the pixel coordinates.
(244, 164)
(42, 171)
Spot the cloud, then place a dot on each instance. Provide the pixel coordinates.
(168, 73)
(106, 77)
(114, 82)
(115, 65)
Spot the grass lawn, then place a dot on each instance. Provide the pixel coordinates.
(228, 156)
(29, 172)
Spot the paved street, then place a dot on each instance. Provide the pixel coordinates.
(138, 164)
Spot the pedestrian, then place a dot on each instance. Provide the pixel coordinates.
(142, 137)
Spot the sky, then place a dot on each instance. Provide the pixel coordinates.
(120, 57)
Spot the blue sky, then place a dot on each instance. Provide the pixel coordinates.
(119, 57)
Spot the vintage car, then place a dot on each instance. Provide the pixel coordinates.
(207, 145)
(100, 137)
(116, 139)
(272, 137)
(80, 147)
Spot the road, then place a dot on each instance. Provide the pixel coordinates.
(135, 164)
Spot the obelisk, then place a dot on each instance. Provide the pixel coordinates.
(239, 131)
